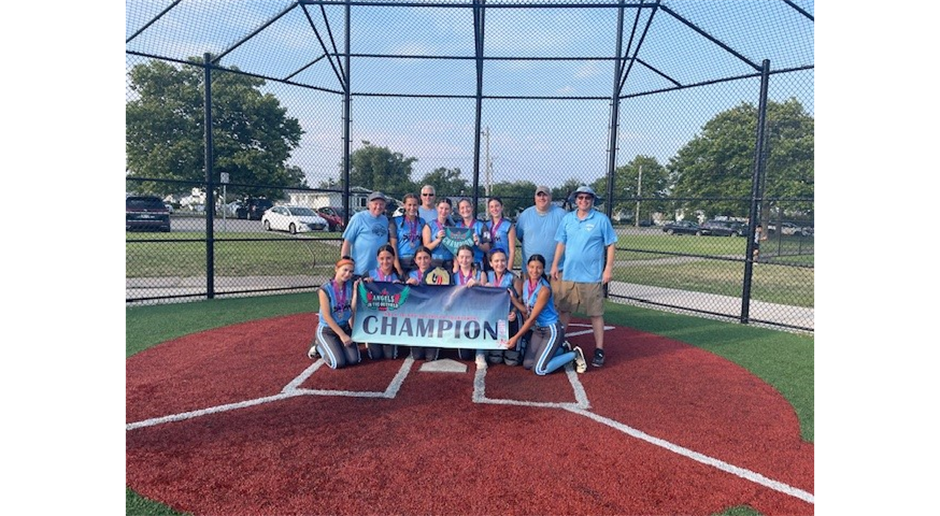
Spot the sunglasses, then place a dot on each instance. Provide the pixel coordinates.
(541, 194)
(427, 195)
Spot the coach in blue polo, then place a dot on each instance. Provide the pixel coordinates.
(366, 232)
(585, 239)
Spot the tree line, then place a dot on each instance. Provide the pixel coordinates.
(253, 138)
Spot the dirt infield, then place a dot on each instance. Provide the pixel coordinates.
(238, 421)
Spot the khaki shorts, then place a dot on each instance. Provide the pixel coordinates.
(584, 298)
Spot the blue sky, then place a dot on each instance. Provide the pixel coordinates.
(539, 140)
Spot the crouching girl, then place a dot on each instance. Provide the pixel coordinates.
(333, 341)
(547, 333)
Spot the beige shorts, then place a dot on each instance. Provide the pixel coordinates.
(584, 298)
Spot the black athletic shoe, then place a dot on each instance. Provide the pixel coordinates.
(598, 358)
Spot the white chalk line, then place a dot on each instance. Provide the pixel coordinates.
(580, 407)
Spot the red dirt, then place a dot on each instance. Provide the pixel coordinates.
(431, 450)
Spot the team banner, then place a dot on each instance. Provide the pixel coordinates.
(431, 316)
(455, 237)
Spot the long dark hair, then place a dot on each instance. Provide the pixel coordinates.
(423, 249)
(541, 259)
(386, 247)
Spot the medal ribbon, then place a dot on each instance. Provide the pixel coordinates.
(494, 229)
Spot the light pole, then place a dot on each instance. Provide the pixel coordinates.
(639, 191)
(223, 178)
(488, 171)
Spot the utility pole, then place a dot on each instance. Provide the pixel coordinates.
(488, 170)
(639, 192)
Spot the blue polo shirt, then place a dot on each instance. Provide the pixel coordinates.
(366, 234)
(537, 234)
(585, 245)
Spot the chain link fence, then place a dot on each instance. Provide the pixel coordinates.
(667, 109)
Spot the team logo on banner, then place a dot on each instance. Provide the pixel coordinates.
(420, 315)
(383, 300)
(455, 237)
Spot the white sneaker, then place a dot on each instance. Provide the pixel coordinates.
(312, 352)
(580, 364)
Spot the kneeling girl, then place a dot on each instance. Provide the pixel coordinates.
(542, 319)
(333, 341)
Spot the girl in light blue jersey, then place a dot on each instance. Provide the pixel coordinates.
(385, 272)
(421, 275)
(541, 319)
(467, 274)
(333, 341)
(501, 277)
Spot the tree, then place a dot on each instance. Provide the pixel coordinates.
(719, 162)
(252, 135)
(654, 183)
(378, 168)
(446, 182)
(516, 196)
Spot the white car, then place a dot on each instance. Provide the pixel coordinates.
(293, 219)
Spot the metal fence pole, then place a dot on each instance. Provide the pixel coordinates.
(479, 11)
(210, 198)
(756, 191)
(614, 123)
(347, 97)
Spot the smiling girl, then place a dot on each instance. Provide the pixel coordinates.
(333, 341)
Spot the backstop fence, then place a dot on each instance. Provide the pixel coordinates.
(699, 112)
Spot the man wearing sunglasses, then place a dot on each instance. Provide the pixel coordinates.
(428, 208)
(585, 251)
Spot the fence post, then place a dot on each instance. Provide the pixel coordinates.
(210, 198)
(479, 13)
(347, 97)
(614, 123)
(757, 193)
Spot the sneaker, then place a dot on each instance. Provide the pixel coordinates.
(567, 346)
(579, 361)
(598, 358)
(312, 353)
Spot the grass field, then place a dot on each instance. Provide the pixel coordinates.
(653, 259)
(783, 360)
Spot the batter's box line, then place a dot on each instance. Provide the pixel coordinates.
(479, 384)
(293, 389)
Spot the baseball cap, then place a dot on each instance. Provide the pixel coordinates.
(377, 195)
(543, 189)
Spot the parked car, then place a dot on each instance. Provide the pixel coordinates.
(293, 219)
(333, 216)
(253, 209)
(786, 228)
(147, 213)
(231, 209)
(682, 227)
(724, 228)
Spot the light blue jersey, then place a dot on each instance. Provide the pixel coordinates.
(440, 252)
(409, 234)
(477, 227)
(340, 303)
(530, 295)
(498, 235)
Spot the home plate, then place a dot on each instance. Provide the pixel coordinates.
(444, 365)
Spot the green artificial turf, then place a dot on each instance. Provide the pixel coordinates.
(783, 360)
